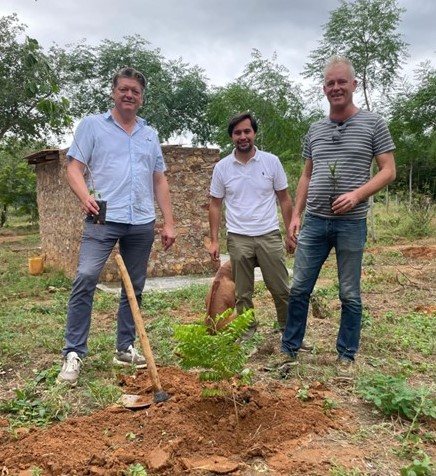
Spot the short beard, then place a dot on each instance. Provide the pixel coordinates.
(245, 151)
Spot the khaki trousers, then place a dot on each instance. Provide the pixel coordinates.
(267, 252)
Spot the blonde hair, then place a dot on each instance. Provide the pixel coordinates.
(339, 60)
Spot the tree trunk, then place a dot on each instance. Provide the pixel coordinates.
(371, 210)
(387, 198)
(410, 186)
(3, 215)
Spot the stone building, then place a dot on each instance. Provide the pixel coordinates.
(189, 171)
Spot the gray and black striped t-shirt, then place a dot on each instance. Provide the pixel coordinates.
(350, 145)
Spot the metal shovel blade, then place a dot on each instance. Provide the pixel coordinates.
(135, 401)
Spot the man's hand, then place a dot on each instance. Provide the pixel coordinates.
(167, 236)
(344, 203)
(292, 234)
(214, 251)
(89, 205)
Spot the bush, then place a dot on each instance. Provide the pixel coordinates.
(391, 395)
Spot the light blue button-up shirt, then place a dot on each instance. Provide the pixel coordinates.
(121, 165)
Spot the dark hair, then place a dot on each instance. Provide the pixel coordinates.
(239, 118)
(130, 73)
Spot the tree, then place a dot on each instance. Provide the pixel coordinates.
(29, 90)
(266, 89)
(365, 31)
(17, 181)
(413, 126)
(176, 96)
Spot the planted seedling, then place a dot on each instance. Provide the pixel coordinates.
(334, 177)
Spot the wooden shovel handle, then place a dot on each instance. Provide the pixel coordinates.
(139, 324)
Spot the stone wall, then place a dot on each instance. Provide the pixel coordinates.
(61, 219)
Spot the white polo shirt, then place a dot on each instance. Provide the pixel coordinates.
(248, 191)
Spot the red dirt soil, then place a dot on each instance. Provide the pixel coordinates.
(188, 434)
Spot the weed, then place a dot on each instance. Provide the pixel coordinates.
(36, 471)
(160, 331)
(135, 470)
(339, 470)
(420, 213)
(105, 301)
(328, 405)
(130, 436)
(103, 393)
(413, 330)
(367, 319)
(419, 467)
(32, 406)
(303, 393)
(391, 395)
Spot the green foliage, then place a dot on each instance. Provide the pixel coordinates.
(135, 469)
(29, 86)
(339, 470)
(365, 31)
(219, 357)
(303, 393)
(160, 331)
(393, 396)
(418, 467)
(266, 89)
(103, 393)
(175, 98)
(36, 471)
(35, 404)
(420, 214)
(328, 405)
(412, 124)
(412, 330)
(17, 184)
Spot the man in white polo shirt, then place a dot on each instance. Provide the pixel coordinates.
(250, 182)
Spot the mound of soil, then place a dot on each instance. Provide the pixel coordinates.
(188, 434)
(419, 252)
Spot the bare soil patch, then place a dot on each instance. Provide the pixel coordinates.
(189, 434)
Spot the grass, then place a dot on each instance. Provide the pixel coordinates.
(396, 358)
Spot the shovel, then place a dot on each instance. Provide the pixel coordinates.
(159, 394)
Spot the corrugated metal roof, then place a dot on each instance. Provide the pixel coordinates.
(45, 155)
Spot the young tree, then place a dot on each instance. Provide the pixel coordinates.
(176, 95)
(366, 32)
(29, 91)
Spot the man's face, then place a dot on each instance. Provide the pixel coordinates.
(243, 136)
(127, 95)
(339, 86)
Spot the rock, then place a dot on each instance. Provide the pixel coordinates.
(158, 459)
(217, 464)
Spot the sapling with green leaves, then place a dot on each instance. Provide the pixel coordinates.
(218, 357)
(334, 177)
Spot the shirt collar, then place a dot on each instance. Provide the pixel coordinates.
(108, 115)
(255, 157)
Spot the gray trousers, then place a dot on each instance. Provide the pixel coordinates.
(267, 252)
(98, 241)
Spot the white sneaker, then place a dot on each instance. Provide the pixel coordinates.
(130, 357)
(70, 369)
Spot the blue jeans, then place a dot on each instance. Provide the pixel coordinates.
(98, 241)
(318, 236)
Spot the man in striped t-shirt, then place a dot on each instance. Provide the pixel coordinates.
(334, 189)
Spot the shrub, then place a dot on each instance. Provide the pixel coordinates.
(391, 395)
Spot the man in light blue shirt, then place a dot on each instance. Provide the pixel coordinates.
(119, 157)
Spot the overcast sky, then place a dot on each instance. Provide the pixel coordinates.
(216, 35)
